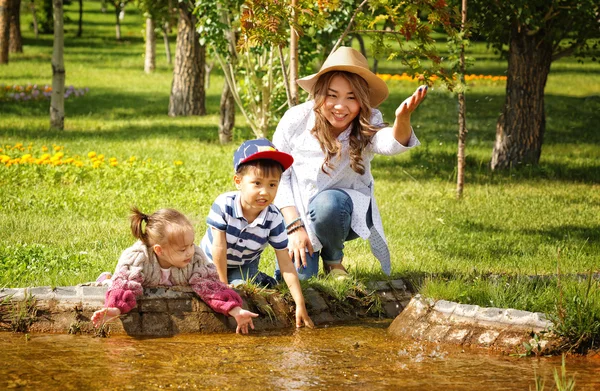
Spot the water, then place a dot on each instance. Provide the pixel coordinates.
(349, 357)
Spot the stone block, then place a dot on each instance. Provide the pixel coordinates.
(540, 322)
(211, 322)
(512, 339)
(280, 308)
(185, 322)
(152, 305)
(436, 317)
(386, 296)
(466, 310)
(131, 323)
(323, 317)
(487, 338)
(156, 323)
(314, 301)
(92, 296)
(398, 285)
(517, 317)
(457, 335)
(16, 294)
(179, 305)
(42, 293)
(377, 285)
(67, 293)
(445, 307)
(489, 315)
(419, 329)
(392, 309)
(199, 306)
(436, 333)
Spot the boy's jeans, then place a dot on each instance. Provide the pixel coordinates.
(238, 275)
(331, 214)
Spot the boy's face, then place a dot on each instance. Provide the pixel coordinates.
(257, 190)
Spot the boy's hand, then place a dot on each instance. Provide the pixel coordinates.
(302, 317)
(105, 315)
(243, 319)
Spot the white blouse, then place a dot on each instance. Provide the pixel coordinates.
(305, 179)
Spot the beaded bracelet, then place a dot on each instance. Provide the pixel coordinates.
(292, 223)
(293, 229)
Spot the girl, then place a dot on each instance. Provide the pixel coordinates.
(326, 197)
(165, 255)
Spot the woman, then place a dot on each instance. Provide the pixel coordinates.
(326, 197)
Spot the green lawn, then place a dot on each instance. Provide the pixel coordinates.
(64, 225)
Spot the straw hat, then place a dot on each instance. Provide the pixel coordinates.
(349, 60)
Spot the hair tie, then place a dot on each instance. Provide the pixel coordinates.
(145, 218)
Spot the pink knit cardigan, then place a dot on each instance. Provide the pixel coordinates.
(138, 268)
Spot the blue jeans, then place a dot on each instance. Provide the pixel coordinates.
(237, 275)
(331, 215)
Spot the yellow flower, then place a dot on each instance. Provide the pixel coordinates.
(44, 148)
(57, 148)
(101, 157)
(45, 156)
(113, 163)
(97, 164)
(91, 154)
(112, 159)
(78, 163)
(4, 158)
(18, 145)
(69, 160)
(178, 162)
(131, 159)
(26, 157)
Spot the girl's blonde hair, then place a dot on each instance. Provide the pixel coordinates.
(159, 227)
(362, 130)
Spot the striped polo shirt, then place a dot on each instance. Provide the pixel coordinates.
(245, 242)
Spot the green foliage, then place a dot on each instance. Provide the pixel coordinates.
(570, 25)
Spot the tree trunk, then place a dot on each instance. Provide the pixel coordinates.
(118, 22)
(4, 30)
(187, 90)
(520, 128)
(294, 97)
(150, 58)
(80, 25)
(57, 100)
(462, 112)
(166, 41)
(227, 118)
(36, 29)
(16, 40)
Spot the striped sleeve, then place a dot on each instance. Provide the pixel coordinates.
(216, 216)
(277, 235)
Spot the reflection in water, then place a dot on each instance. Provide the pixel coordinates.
(361, 356)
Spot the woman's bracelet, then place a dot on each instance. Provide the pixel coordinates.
(293, 229)
(293, 222)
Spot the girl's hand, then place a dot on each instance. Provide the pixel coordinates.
(410, 104)
(298, 244)
(105, 315)
(302, 317)
(243, 319)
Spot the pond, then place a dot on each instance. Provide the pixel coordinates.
(358, 356)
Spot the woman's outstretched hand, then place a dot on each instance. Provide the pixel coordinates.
(410, 104)
(105, 315)
(298, 244)
(243, 319)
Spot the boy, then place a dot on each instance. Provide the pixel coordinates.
(241, 223)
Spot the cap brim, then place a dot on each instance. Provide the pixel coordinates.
(285, 159)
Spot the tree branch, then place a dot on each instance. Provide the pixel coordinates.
(337, 44)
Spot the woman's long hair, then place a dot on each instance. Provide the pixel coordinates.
(362, 130)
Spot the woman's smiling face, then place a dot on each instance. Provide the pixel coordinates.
(341, 106)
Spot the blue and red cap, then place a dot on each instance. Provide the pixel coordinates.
(260, 148)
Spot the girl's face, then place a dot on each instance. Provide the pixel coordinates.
(341, 106)
(178, 252)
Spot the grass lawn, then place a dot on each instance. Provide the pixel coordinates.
(63, 225)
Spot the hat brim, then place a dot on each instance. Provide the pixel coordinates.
(285, 159)
(378, 90)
